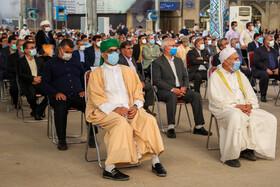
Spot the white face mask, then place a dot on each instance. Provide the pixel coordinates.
(228, 46)
(48, 29)
(201, 47)
(144, 41)
(98, 43)
(82, 48)
(271, 43)
(66, 56)
(209, 42)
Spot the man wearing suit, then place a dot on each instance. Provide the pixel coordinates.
(29, 72)
(93, 53)
(256, 43)
(44, 37)
(171, 79)
(277, 43)
(13, 61)
(199, 59)
(265, 64)
(222, 44)
(208, 46)
(126, 58)
(137, 51)
(80, 53)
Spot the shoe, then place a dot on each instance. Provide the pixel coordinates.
(37, 117)
(42, 115)
(171, 133)
(150, 112)
(248, 154)
(91, 142)
(115, 174)
(159, 170)
(233, 163)
(62, 145)
(263, 99)
(201, 131)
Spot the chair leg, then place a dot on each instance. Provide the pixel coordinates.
(179, 115)
(277, 97)
(218, 134)
(160, 117)
(188, 114)
(205, 92)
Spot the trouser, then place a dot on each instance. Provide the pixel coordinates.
(14, 92)
(197, 77)
(264, 79)
(244, 54)
(149, 95)
(190, 97)
(30, 92)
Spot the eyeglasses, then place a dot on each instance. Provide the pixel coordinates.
(110, 51)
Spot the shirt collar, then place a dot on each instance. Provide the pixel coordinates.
(110, 67)
(172, 58)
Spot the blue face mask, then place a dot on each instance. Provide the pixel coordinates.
(86, 43)
(14, 47)
(63, 30)
(113, 58)
(6, 45)
(152, 42)
(260, 40)
(75, 38)
(173, 51)
(236, 66)
(237, 46)
(21, 49)
(33, 52)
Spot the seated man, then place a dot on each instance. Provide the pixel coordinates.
(256, 43)
(199, 59)
(265, 64)
(30, 70)
(80, 53)
(93, 54)
(171, 79)
(222, 44)
(127, 60)
(115, 101)
(63, 80)
(244, 128)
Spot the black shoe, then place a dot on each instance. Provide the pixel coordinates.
(62, 145)
(233, 163)
(263, 99)
(42, 115)
(159, 170)
(150, 112)
(91, 142)
(248, 154)
(115, 174)
(171, 133)
(201, 131)
(37, 117)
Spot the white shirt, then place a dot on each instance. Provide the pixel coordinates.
(97, 58)
(130, 63)
(23, 33)
(201, 67)
(33, 66)
(246, 37)
(115, 90)
(171, 63)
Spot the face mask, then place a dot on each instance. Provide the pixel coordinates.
(66, 56)
(75, 38)
(259, 25)
(113, 58)
(24, 27)
(235, 28)
(237, 46)
(98, 43)
(209, 42)
(21, 49)
(63, 30)
(228, 46)
(160, 39)
(252, 28)
(201, 47)
(6, 45)
(82, 48)
(260, 40)
(14, 47)
(193, 40)
(129, 39)
(236, 66)
(271, 43)
(152, 42)
(184, 27)
(173, 51)
(33, 52)
(187, 44)
(48, 29)
(144, 41)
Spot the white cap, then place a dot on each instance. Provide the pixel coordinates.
(45, 22)
(226, 53)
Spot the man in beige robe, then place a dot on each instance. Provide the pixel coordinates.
(245, 130)
(115, 102)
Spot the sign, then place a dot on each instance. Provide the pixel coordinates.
(189, 4)
(169, 6)
(31, 14)
(72, 6)
(152, 15)
(60, 13)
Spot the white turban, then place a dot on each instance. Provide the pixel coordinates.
(45, 22)
(225, 53)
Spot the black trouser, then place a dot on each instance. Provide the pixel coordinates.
(264, 79)
(30, 92)
(149, 95)
(14, 92)
(191, 97)
(197, 77)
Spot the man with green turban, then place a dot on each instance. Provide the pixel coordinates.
(115, 102)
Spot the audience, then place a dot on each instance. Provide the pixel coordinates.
(256, 43)
(93, 54)
(183, 50)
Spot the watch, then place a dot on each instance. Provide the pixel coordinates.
(135, 106)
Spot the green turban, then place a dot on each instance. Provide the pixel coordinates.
(107, 44)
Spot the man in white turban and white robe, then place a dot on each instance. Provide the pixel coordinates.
(245, 130)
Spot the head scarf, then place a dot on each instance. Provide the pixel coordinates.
(107, 44)
(45, 22)
(226, 53)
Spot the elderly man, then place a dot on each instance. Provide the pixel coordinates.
(222, 44)
(265, 64)
(115, 101)
(244, 128)
(171, 79)
(183, 50)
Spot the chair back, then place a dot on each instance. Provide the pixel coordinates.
(250, 59)
(87, 74)
(210, 71)
(187, 61)
(211, 61)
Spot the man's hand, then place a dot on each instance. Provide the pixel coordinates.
(244, 46)
(199, 58)
(122, 111)
(244, 68)
(45, 54)
(205, 62)
(275, 72)
(143, 85)
(132, 112)
(34, 83)
(60, 96)
(183, 91)
(82, 94)
(247, 109)
(177, 92)
(269, 72)
(37, 79)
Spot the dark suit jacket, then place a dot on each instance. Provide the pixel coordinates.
(213, 50)
(76, 55)
(5, 53)
(276, 47)
(261, 60)
(136, 51)
(13, 61)
(195, 63)
(163, 75)
(123, 61)
(216, 60)
(24, 71)
(252, 46)
(89, 57)
(42, 39)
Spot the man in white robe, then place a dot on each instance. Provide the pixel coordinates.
(245, 130)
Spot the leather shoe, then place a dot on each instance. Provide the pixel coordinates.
(201, 131)
(263, 99)
(248, 154)
(115, 174)
(35, 115)
(91, 142)
(159, 170)
(62, 145)
(233, 163)
(171, 133)
(150, 112)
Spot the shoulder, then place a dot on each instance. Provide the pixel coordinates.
(159, 59)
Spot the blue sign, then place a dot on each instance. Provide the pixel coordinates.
(60, 14)
(189, 4)
(169, 6)
(152, 15)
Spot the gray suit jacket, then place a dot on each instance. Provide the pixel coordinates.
(163, 76)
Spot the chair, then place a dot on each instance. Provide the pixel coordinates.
(91, 127)
(180, 103)
(210, 71)
(4, 90)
